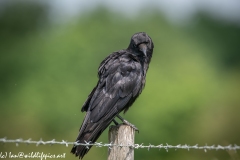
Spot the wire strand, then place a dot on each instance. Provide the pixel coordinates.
(110, 145)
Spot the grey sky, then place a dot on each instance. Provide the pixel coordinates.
(175, 10)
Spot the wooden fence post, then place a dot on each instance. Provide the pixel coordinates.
(121, 135)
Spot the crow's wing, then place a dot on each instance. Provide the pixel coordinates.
(120, 78)
(101, 70)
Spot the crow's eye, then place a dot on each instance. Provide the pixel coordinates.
(134, 45)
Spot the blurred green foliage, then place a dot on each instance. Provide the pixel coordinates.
(192, 95)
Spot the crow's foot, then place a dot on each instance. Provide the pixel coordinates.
(127, 123)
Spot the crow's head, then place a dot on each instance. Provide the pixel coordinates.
(141, 44)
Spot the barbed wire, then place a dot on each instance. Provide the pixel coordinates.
(110, 145)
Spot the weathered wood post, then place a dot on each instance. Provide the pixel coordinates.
(121, 135)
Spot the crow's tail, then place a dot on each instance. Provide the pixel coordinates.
(89, 133)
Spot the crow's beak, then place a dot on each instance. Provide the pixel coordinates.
(143, 48)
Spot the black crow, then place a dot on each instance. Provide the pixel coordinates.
(122, 77)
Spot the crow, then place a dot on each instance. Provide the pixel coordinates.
(122, 77)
